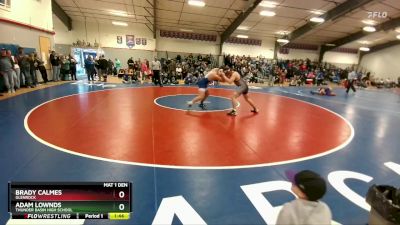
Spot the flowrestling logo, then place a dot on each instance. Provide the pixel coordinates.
(377, 15)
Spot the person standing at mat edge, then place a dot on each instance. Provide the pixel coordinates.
(6, 69)
(214, 75)
(55, 64)
(234, 77)
(351, 80)
(309, 187)
(156, 67)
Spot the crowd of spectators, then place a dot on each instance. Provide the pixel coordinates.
(189, 69)
(299, 72)
(20, 70)
(63, 66)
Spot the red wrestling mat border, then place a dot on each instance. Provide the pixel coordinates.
(125, 126)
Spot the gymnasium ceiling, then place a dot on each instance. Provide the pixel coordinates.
(217, 15)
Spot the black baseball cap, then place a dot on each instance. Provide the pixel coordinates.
(309, 182)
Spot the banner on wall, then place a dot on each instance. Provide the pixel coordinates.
(144, 41)
(138, 41)
(119, 39)
(130, 41)
(186, 35)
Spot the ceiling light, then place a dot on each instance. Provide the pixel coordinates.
(398, 36)
(268, 4)
(242, 36)
(364, 49)
(369, 22)
(282, 32)
(267, 13)
(330, 44)
(119, 23)
(317, 19)
(243, 28)
(282, 40)
(186, 30)
(369, 29)
(317, 12)
(198, 3)
(119, 13)
(364, 42)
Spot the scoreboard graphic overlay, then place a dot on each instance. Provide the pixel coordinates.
(72, 200)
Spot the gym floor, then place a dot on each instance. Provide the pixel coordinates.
(201, 166)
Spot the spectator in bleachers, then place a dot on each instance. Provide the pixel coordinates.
(32, 69)
(19, 57)
(290, 70)
(149, 71)
(272, 75)
(89, 67)
(26, 70)
(144, 70)
(103, 65)
(40, 66)
(110, 67)
(6, 71)
(178, 71)
(178, 58)
(389, 83)
(303, 67)
(378, 82)
(136, 66)
(165, 66)
(190, 57)
(367, 79)
(320, 77)
(16, 71)
(127, 76)
(55, 64)
(117, 66)
(190, 79)
(65, 67)
(171, 68)
(282, 76)
(147, 63)
(73, 67)
(130, 63)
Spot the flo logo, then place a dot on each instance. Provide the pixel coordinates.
(379, 15)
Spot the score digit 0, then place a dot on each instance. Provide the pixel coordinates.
(121, 194)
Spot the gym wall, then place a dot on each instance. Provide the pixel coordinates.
(339, 59)
(25, 22)
(299, 54)
(383, 64)
(103, 33)
(266, 50)
(187, 46)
